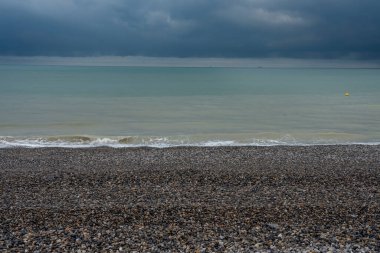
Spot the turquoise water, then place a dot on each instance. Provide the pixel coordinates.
(161, 106)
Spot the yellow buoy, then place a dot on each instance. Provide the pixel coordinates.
(346, 93)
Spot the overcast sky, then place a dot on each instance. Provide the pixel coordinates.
(308, 29)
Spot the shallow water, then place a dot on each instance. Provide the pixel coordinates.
(161, 106)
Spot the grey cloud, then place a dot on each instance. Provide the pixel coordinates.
(180, 28)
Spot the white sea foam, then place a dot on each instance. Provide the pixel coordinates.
(159, 142)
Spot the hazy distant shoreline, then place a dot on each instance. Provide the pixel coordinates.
(278, 199)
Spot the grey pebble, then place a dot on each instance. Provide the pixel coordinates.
(191, 199)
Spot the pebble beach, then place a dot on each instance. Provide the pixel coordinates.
(191, 199)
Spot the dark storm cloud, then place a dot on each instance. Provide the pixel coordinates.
(199, 28)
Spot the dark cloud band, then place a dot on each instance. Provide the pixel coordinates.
(179, 28)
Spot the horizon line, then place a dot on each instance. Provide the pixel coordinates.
(145, 61)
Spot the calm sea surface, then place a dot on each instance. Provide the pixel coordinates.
(160, 106)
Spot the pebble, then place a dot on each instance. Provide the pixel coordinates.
(191, 199)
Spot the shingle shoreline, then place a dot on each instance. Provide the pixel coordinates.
(191, 199)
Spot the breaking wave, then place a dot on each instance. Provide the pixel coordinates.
(78, 141)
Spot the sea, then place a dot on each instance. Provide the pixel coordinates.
(91, 106)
